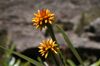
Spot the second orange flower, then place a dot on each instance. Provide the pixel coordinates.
(47, 46)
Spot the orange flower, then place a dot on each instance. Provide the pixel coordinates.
(48, 46)
(43, 17)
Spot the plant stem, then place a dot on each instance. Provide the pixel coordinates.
(54, 39)
(54, 58)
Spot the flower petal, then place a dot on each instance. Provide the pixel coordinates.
(37, 26)
(46, 21)
(46, 54)
(47, 12)
(44, 42)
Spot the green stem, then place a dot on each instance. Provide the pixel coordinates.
(54, 39)
(54, 58)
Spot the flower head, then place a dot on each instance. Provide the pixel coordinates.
(47, 46)
(43, 17)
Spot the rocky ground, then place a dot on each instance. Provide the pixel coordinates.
(79, 18)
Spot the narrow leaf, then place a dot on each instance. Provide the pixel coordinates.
(71, 63)
(3, 62)
(17, 63)
(70, 44)
(8, 54)
(39, 59)
(24, 57)
(26, 64)
(96, 63)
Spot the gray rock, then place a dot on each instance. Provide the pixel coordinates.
(25, 36)
(94, 28)
(96, 25)
(64, 10)
(75, 20)
(77, 42)
(85, 43)
(17, 15)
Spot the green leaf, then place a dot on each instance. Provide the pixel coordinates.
(70, 44)
(17, 63)
(24, 57)
(71, 63)
(39, 59)
(26, 64)
(96, 63)
(3, 62)
(12, 47)
(8, 54)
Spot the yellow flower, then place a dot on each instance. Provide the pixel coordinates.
(43, 17)
(48, 46)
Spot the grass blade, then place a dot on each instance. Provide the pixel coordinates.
(24, 57)
(26, 64)
(96, 63)
(71, 63)
(70, 44)
(17, 63)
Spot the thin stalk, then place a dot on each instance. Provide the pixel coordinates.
(54, 58)
(54, 39)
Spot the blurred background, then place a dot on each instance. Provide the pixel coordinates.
(79, 18)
